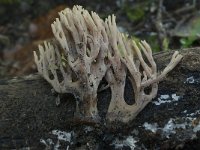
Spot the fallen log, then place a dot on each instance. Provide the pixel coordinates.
(31, 118)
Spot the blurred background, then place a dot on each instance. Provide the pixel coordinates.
(165, 25)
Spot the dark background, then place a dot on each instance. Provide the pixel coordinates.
(24, 24)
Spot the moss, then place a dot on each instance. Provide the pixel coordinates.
(136, 39)
(153, 41)
(165, 43)
(188, 41)
(135, 13)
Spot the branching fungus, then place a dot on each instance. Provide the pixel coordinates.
(85, 50)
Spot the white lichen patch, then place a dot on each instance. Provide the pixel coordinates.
(48, 143)
(185, 111)
(61, 136)
(197, 112)
(171, 126)
(196, 128)
(175, 97)
(168, 129)
(129, 141)
(152, 127)
(167, 99)
(88, 129)
(175, 125)
(190, 80)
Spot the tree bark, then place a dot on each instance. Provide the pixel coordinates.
(28, 109)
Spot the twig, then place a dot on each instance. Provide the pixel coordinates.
(159, 26)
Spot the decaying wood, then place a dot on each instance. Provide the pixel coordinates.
(28, 109)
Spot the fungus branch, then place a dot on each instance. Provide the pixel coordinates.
(82, 40)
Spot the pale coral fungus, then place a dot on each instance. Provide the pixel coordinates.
(87, 49)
